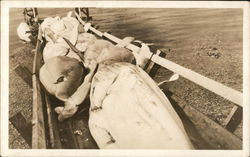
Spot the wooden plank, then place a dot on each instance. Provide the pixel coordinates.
(81, 128)
(54, 140)
(216, 87)
(234, 118)
(22, 126)
(86, 12)
(217, 136)
(38, 129)
(71, 133)
(155, 67)
(117, 40)
(38, 58)
(67, 137)
(112, 38)
(83, 135)
(151, 64)
(24, 73)
(100, 34)
(61, 134)
(192, 132)
(180, 101)
(202, 131)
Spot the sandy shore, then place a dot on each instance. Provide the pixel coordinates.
(188, 36)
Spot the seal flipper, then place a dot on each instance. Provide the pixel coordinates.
(78, 52)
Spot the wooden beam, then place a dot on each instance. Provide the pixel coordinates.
(67, 137)
(38, 129)
(83, 136)
(202, 131)
(216, 87)
(234, 118)
(153, 67)
(22, 126)
(216, 136)
(54, 140)
(38, 58)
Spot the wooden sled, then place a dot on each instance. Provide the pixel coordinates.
(49, 133)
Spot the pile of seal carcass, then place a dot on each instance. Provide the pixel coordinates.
(128, 109)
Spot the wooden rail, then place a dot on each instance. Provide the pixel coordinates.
(218, 88)
(38, 119)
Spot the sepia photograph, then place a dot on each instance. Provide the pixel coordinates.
(140, 78)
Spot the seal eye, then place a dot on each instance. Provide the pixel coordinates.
(60, 79)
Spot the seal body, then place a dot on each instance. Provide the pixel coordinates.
(61, 76)
(55, 28)
(102, 50)
(129, 111)
(58, 49)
